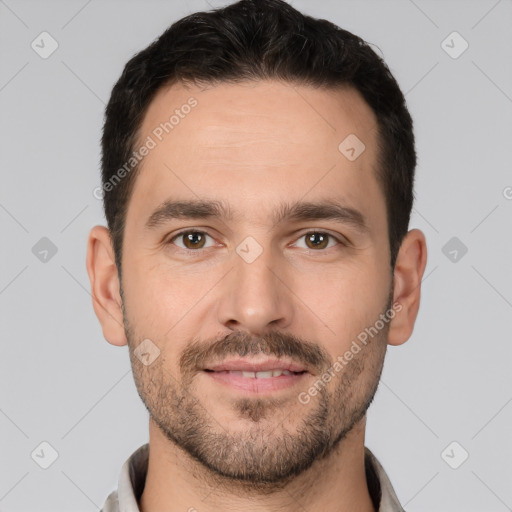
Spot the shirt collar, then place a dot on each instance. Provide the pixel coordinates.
(134, 471)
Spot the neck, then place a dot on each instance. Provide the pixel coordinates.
(176, 482)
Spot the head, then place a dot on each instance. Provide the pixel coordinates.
(240, 226)
(253, 41)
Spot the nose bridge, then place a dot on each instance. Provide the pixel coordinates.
(254, 296)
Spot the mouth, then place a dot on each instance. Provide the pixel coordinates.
(251, 377)
(265, 374)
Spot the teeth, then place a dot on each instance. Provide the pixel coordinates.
(264, 375)
(277, 373)
(261, 375)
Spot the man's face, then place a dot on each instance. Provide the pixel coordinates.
(248, 287)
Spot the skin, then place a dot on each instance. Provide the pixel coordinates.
(254, 145)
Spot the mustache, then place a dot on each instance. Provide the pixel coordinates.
(199, 354)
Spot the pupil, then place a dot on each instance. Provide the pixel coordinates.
(312, 237)
(191, 238)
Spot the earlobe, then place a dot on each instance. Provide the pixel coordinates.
(408, 273)
(105, 289)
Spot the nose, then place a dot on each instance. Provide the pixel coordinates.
(255, 296)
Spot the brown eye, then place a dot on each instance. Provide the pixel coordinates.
(317, 240)
(191, 240)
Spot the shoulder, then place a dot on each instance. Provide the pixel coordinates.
(112, 503)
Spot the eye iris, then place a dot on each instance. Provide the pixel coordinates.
(196, 240)
(314, 236)
(192, 238)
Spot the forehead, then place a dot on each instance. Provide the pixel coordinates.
(256, 113)
(256, 143)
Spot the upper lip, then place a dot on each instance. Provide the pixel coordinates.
(248, 365)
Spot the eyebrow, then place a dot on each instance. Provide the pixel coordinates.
(292, 212)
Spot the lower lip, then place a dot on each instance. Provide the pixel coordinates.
(255, 385)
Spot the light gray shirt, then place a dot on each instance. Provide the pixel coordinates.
(134, 470)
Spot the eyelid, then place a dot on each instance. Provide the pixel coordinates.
(168, 240)
(333, 234)
(342, 240)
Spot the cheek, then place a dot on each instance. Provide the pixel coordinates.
(347, 299)
(157, 296)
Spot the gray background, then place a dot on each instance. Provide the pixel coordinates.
(62, 383)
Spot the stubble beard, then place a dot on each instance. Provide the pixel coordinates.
(274, 446)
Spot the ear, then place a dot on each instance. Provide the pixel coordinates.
(105, 290)
(409, 267)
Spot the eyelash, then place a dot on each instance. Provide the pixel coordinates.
(193, 252)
